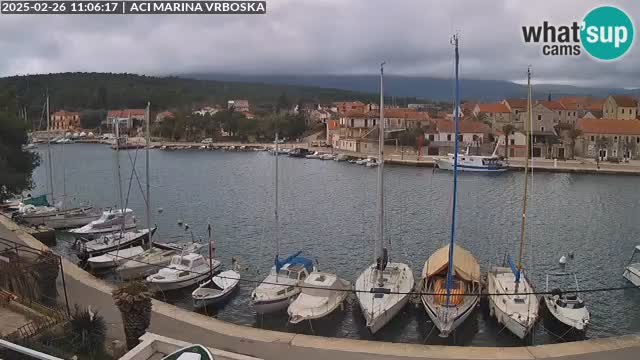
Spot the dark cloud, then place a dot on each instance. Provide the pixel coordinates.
(316, 37)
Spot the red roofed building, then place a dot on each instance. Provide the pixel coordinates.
(125, 117)
(471, 132)
(497, 114)
(620, 107)
(609, 138)
(350, 106)
(65, 120)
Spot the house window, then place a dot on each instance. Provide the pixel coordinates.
(432, 137)
(366, 122)
(459, 137)
(593, 138)
(517, 111)
(623, 111)
(541, 128)
(352, 122)
(559, 112)
(448, 137)
(374, 122)
(539, 117)
(638, 140)
(512, 141)
(615, 139)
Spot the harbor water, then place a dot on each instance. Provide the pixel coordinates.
(328, 210)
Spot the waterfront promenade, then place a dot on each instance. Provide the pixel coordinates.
(171, 321)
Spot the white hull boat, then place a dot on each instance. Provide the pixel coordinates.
(632, 270)
(110, 221)
(72, 219)
(112, 242)
(280, 288)
(321, 295)
(113, 258)
(448, 313)
(148, 262)
(516, 310)
(377, 306)
(183, 271)
(216, 289)
(567, 308)
(473, 163)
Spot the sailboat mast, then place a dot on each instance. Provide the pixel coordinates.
(148, 142)
(526, 169)
(119, 177)
(381, 177)
(275, 209)
(49, 157)
(455, 173)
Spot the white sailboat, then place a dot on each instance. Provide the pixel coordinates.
(183, 271)
(113, 242)
(451, 276)
(511, 298)
(322, 293)
(383, 288)
(113, 258)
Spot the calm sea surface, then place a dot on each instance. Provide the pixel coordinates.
(328, 210)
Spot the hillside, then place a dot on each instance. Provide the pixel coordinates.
(423, 87)
(76, 91)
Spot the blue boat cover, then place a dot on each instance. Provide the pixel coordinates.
(514, 269)
(294, 259)
(36, 201)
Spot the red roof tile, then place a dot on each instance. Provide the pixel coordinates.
(625, 101)
(493, 108)
(465, 126)
(595, 104)
(517, 103)
(609, 126)
(391, 113)
(65, 113)
(552, 105)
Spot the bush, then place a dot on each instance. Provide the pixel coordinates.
(89, 331)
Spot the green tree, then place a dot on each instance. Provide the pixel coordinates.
(16, 164)
(507, 129)
(573, 134)
(92, 119)
(283, 103)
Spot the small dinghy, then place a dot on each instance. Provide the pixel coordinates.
(192, 352)
(112, 242)
(567, 307)
(217, 289)
(113, 258)
(183, 271)
(321, 294)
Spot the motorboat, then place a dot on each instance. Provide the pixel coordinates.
(326, 157)
(511, 300)
(341, 157)
(299, 152)
(72, 218)
(280, 287)
(217, 289)
(149, 261)
(112, 242)
(191, 352)
(183, 271)
(322, 293)
(449, 310)
(113, 258)
(475, 163)
(567, 307)
(372, 163)
(362, 161)
(110, 221)
(315, 155)
(632, 270)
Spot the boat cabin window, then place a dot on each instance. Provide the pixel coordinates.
(184, 273)
(185, 262)
(303, 275)
(291, 288)
(281, 292)
(519, 300)
(111, 217)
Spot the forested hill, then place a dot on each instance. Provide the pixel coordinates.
(77, 91)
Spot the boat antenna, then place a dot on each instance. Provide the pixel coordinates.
(526, 171)
(148, 142)
(454, 42)
(381, 258)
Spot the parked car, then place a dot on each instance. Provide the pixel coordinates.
(207, 141)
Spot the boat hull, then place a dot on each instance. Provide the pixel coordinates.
(447, 165)
(98, 232)
(326, 311)
(175, 285)
(70, 222)
(632, 273)
(141, 271)
(565, 322)
(271, 306)
(447, 327)
(139, 240)
(518, 328)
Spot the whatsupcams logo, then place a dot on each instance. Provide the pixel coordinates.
(605, 33)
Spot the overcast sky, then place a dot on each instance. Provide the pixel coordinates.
(317, 37)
